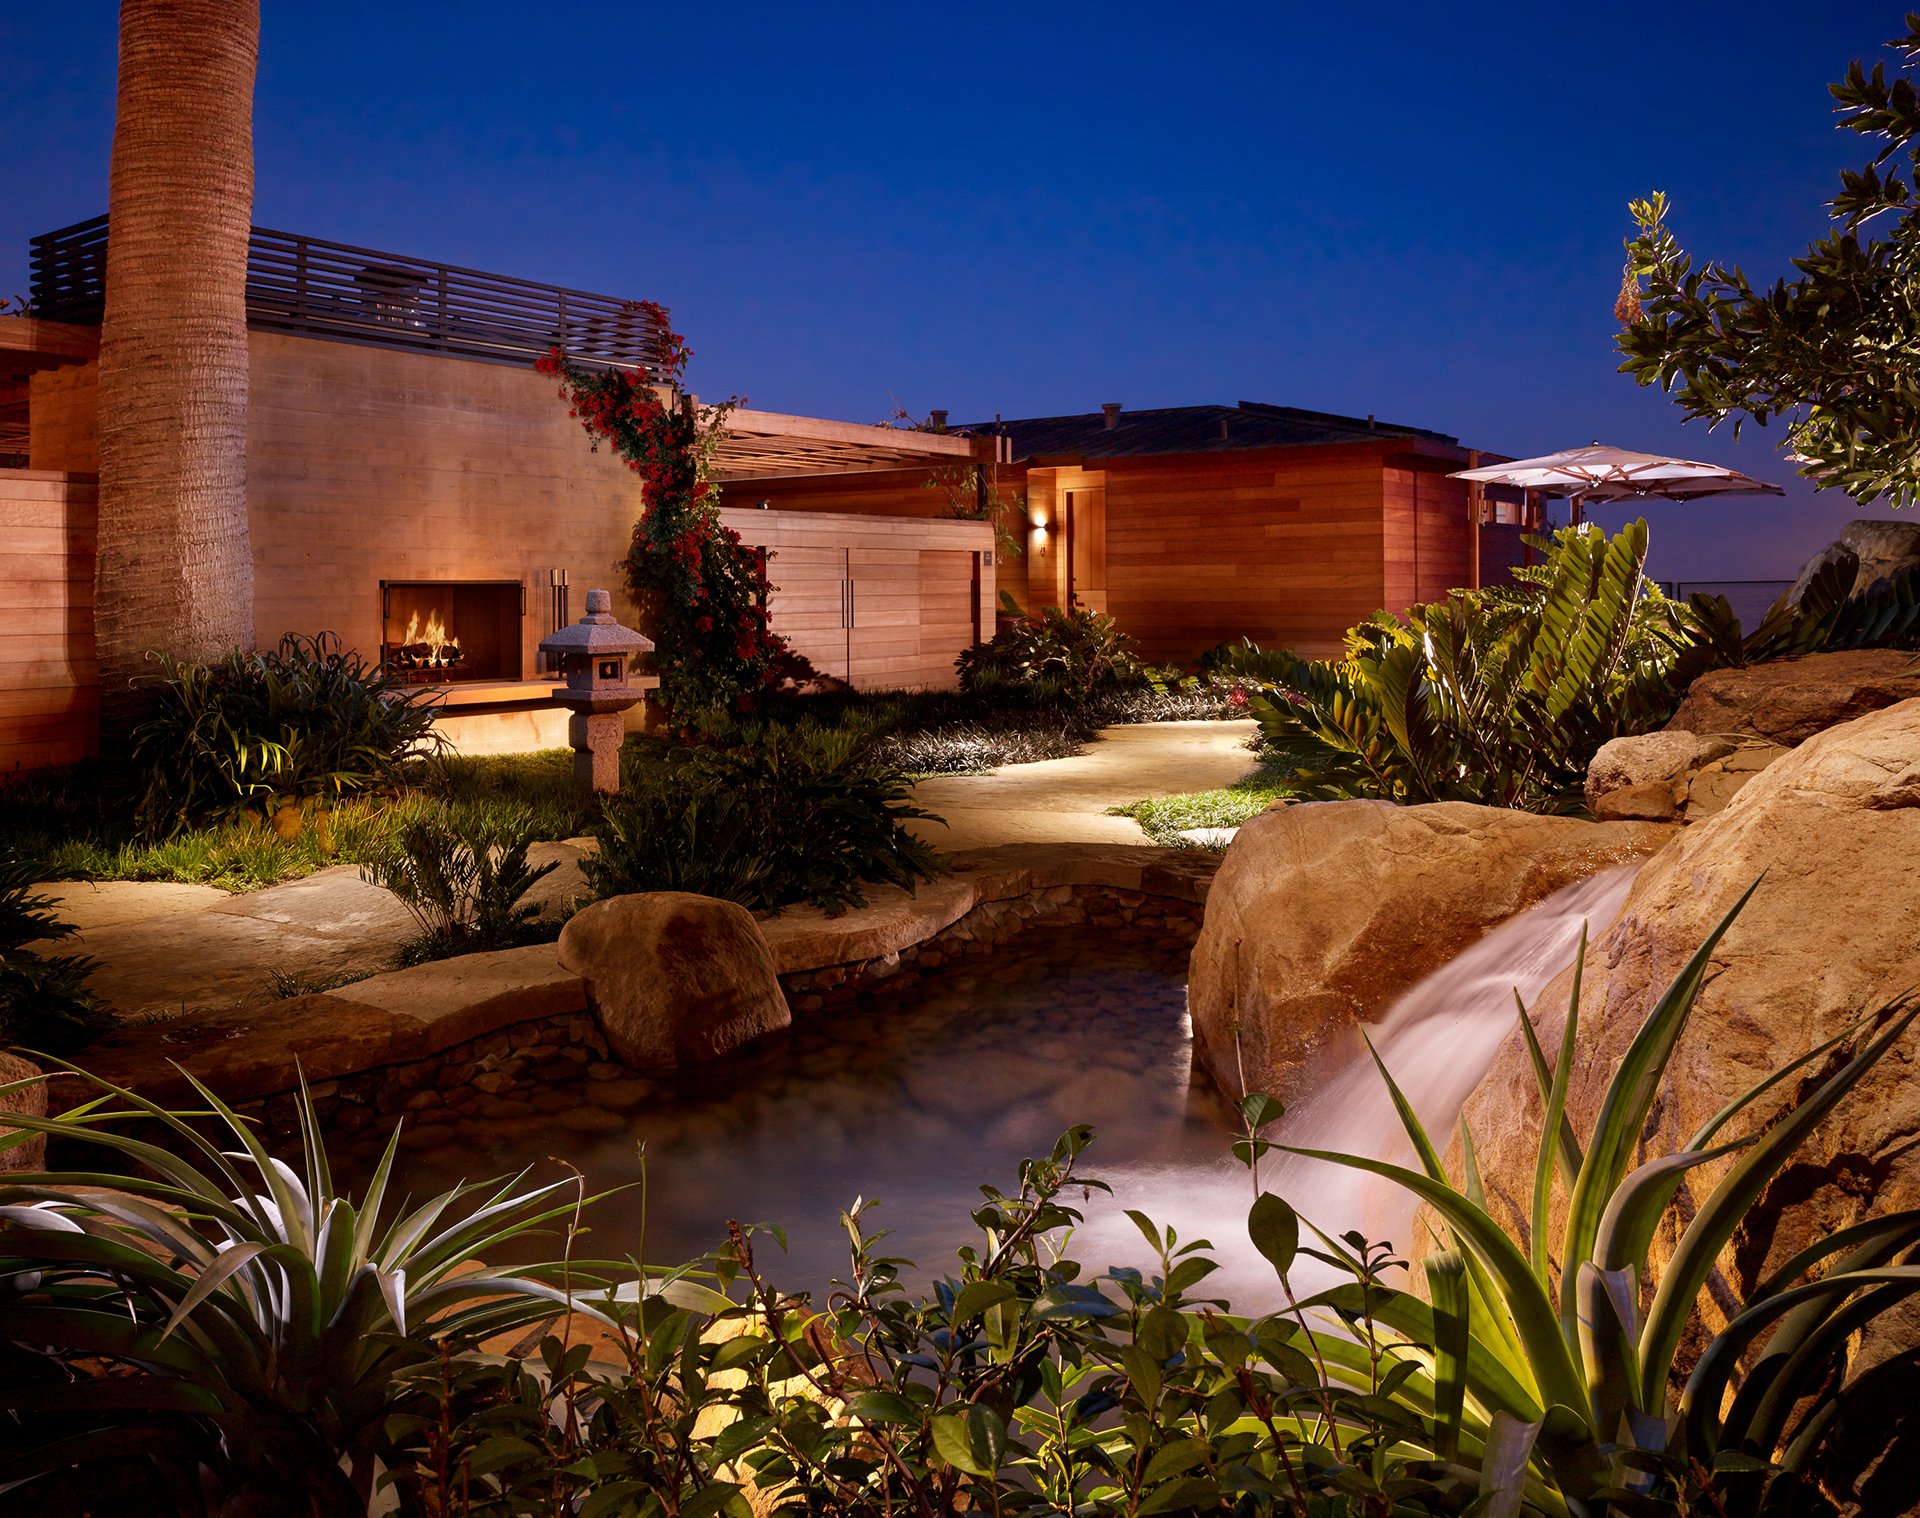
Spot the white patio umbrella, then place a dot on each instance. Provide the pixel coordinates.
(1602, 473)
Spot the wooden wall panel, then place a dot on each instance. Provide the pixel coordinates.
(1427, 540)
(1287, 546)
(882, 492)
(910, 585)
(49, 688)
(1283, 547)
(63, 420)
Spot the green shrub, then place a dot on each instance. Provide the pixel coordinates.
(44, 1001)
(1060, 655)
(462, 873)
(1503, 696)
(782, 815)
(264, 729)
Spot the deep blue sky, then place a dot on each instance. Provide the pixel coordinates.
(1410, 210)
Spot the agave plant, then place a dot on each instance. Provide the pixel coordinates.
(1554, 1371)
(234, 1327)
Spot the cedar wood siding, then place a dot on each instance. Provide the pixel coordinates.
(49, 704)
(1287, 546)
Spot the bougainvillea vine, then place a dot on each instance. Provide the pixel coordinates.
(702, 591)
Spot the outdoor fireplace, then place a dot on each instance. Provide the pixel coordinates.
(436, 632)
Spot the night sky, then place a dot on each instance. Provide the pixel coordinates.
(1408, 210)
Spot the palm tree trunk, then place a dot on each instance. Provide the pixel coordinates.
(175, 567)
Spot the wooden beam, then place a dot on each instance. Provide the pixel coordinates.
(28, 344)
(770, 444)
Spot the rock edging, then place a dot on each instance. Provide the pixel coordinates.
(381, 1043)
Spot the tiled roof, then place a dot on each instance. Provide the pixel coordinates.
(1192, 429)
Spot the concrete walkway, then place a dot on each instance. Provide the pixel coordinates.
(165, 950)
(1066, 800)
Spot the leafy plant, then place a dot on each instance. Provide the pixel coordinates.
(1829, 349)
(780, 815)
(1062, 654)
(44, 1001)
(308, 719)
(1500, 696)
(462, 874)
(226, 1334)
(1550, 1369)
(1014, 1387)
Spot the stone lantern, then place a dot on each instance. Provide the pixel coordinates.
(594, 655)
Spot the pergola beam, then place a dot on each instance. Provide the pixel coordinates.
(768, 444)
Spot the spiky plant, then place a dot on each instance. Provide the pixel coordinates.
(235, 1328)
(1553, 1371)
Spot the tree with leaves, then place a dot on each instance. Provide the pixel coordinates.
(1834, 350)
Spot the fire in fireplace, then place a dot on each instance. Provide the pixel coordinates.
(434, 632)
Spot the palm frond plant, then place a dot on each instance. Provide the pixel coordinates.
(1498, 696)
(230, 1330)
(1554, 1372)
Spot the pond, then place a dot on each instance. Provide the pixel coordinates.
(913, 1096)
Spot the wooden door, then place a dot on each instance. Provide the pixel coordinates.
(808, 605)
(884, 590)
(949, 611)
(1085, 555)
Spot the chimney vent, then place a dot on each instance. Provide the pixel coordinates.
(1112, 411)
(938, 419)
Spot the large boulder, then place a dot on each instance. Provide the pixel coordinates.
(1879, 547)
(1673, 776)
(1787, 701)
(1828, 938)
(675, 979)
(31, 1100)
(1324, 913)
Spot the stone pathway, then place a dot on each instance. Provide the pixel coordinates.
(1066, 800)
(165, 949)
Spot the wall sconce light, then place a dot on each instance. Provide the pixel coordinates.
(1039, 527)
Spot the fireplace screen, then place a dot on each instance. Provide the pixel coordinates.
(437, 631)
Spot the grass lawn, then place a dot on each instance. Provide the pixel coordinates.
(1165, 817)
(77, 826)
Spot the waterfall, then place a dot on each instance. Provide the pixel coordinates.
(1438, 1040)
